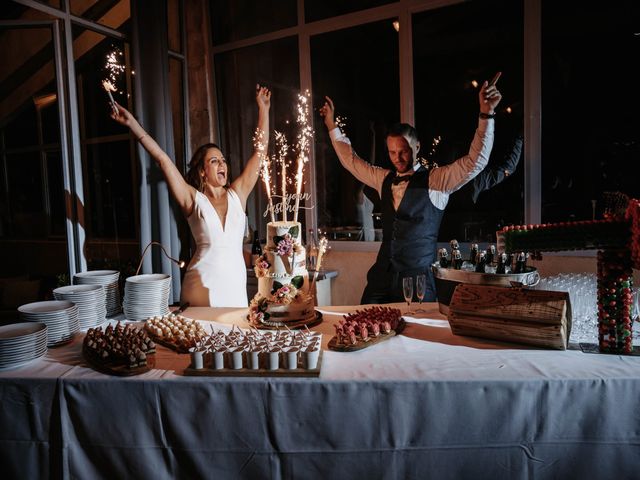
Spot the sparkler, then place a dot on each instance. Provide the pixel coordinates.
(114, 69)
(304, 137)
(106, 84)
(265, 166)
(341, 123)
(434, 145)
(283, 149)
(322, 248)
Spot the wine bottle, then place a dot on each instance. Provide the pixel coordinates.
(256, 249)
(473, 256)
(456, 257)
(312, 250)
(444, 258)
(481, 261)
(502, 260)
(521, 263)
(491, 254)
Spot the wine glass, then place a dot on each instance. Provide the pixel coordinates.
(421, 286)
(407, 290)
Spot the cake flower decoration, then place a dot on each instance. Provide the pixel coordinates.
(285, 245)
(262, 266)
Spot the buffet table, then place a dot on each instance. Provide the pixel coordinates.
(423, 404)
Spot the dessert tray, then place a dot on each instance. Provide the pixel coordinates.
(174, 331)
(252, 353)
(263, 369)
(119, 350)
(366, 328)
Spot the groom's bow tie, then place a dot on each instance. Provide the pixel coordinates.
(400, 179)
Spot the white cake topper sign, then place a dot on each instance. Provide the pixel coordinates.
(277, 208)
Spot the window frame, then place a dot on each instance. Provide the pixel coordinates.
(403, 10)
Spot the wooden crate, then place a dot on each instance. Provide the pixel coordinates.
(533, 317)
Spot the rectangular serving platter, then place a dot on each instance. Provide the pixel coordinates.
(260, 372)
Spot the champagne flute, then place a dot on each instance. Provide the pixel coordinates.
(407, 290)
(421, 286)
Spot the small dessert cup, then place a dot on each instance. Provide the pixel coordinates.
(218, 359)
(310, 358)
(236, 358)
(253, 359)
(197, 358)
(273, 359)
(291, 357)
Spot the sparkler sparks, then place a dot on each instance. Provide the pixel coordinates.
(260, 145)
(305, 135)
(341, 123)
(114, 69)
(282, 148)
(280, 160)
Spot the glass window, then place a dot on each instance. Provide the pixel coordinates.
(92, 51)
(357, 68)
(453, 55)
(231, 21)
(110, 13)
(51, 3)
(586, 152)
(25, 178)
(319, 10)
(174, 25)
(177, 109)
(237, 73)
(110, 204)
(56, 194)
(13, 11)
(108, 157)
(32, 204)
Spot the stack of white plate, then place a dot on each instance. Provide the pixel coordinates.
(90, 300)
(22, 342)
(146, 296)
(60, 316)
(109, 280)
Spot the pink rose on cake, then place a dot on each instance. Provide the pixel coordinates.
(285, 294)
(285, 245)
(262, 266)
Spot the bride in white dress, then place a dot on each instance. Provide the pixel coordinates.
(215, 210)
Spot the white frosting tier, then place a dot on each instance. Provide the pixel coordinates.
(265, 284)
(301, 309)
(280, 229)
(293, 312)
(290, 265)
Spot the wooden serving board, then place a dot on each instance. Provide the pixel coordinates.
(118, 370)
(533, 317)
(370, 343)
(261, 372)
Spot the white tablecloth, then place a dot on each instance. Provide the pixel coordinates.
(423, 404)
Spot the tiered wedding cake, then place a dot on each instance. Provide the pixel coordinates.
(283, 296)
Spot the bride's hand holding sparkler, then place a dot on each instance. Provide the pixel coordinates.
(122, 116)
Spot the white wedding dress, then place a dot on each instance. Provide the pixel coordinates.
(216, 275)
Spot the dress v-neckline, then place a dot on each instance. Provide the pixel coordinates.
(222, 225)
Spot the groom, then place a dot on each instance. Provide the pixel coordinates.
(413, 198)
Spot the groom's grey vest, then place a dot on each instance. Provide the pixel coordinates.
(409, 235)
